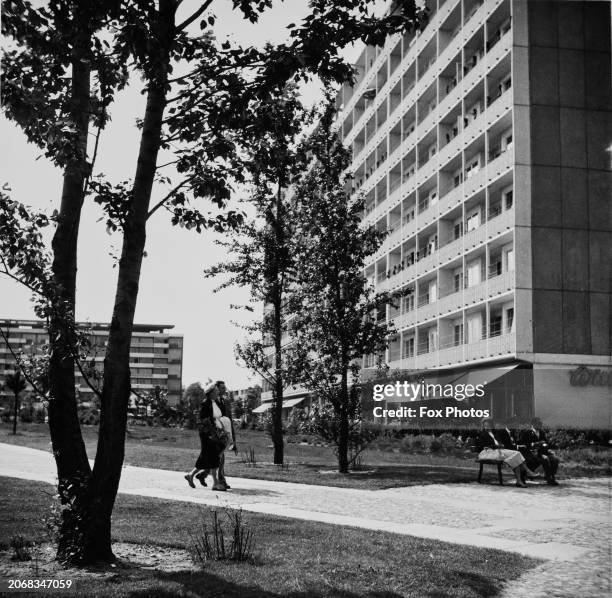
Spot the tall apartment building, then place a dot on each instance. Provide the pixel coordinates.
(482, 144)
(156, 355)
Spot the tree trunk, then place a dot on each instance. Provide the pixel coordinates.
(343, 425)
(277, 411)
(116, 383)
(15, 413)
(73, 468)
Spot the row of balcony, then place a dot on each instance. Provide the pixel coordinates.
(498, 163)
(493, 56)
(443, 307)
(497, 225)
(491, 347)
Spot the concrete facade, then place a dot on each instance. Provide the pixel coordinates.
(482, 145)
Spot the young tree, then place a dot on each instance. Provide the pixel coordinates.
(16, 384)
(61, 70)
(263, 248)
(336, 321)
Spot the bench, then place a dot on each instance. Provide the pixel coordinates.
(496, 462)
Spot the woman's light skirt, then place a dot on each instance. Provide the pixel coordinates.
(512, 458)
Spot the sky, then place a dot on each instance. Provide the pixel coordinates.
(173, 289)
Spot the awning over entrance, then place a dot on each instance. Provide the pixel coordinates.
(262, 408)
(292, 402)
(485, 376)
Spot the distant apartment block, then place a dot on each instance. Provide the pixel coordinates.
(156, 355)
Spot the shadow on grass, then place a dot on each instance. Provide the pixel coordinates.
(203, 583)
(207, 584)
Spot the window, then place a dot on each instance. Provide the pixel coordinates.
(432, 338)
(473, 273)
(495, 267)
(473, 221)
(409, 347)
(458, 281)
(508, 199)
(409, 302)
(509, 319)
(472, 168)
(458, 179)
(474, 328)
(496, 325)
(510, 260)
(458, 230)
(458, 334)
(433, 291)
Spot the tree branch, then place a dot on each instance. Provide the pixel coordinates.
(167, 197)
(194, 16)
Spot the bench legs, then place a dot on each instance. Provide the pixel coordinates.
(500, 476)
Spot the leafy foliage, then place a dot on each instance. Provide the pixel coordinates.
(336, 308)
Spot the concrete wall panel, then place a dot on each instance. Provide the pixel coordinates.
(601, 335)
(547, 316)
(600, 258)
(546, 196)
(543, 23)
(574, 189)
(571, 78)
(573, 137)
(599, 139)
(546, 256)
(576, 260)
(544, 75)
(596, 71)
(576, 319)
(545, 135)
(600, 200)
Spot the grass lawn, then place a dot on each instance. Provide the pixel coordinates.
(176, 450)
(296, 559)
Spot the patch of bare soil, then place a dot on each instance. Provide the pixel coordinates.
(130, 558)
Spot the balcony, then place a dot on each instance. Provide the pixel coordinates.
(475, 182)
(451, 354)
(499, 49)
(499, 107)
(475, 75)
(500, 165)
(476, 19)
(451, 149)
(427, 311)
(450, 303)
(453, 198)
(428, 123)
(475, 294)
(427, 169)
(501, 223)
(501, 284)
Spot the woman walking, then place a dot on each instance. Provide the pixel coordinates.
(213, 440)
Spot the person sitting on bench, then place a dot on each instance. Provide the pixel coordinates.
(536, 451)
(493, 448)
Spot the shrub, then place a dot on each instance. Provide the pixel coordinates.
(22, 548)
(213, 542)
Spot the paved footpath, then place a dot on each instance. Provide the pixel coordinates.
(569, 523)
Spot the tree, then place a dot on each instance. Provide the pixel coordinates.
(65, 62)
(336, 320)
(16, 384)
(263, 248)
